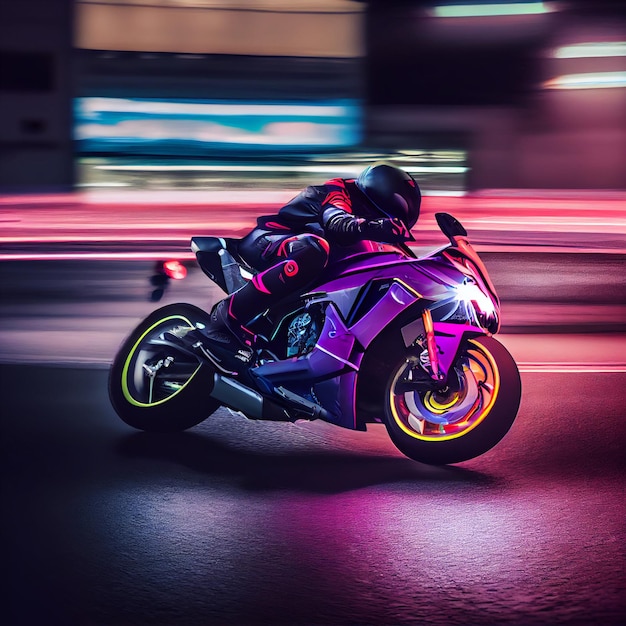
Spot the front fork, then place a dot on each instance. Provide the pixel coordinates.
(431, 346)
(442, 342)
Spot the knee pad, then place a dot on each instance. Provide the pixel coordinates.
(309, 249)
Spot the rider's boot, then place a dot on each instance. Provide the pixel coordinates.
(223, 341)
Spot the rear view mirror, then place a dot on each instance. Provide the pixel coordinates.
(450, 226)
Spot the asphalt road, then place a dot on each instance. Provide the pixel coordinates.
(240, 522)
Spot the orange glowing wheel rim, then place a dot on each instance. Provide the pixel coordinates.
(454, 410)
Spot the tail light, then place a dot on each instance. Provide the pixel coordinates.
(174, 269)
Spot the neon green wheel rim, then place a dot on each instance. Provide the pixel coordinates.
(131, 354)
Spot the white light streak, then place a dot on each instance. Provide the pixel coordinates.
(314, 169)
(92, 106)
(591, 49)
(490, 10)
(597, 80)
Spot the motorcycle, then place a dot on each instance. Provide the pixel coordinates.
(384, 337)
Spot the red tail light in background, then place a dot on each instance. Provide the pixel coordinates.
(174, 269)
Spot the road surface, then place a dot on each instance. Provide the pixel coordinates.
(242, 522)
(239, 522)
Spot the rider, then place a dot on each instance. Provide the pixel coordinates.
(291, 248)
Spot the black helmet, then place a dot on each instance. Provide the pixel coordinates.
(392, 191)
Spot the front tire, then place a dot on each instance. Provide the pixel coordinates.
(154, 386)
(465, 419)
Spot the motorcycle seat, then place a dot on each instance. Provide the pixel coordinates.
(220, 260)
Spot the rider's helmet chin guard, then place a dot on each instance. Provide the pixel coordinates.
(392, 191)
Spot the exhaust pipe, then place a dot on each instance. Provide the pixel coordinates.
(287, 407)
(237, 396)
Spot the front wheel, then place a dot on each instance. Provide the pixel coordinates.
(155, 386)
(463, 420)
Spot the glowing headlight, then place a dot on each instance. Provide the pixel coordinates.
(470, 293)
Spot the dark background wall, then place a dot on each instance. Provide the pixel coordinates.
(478, 84)
(459, 83)
(35, 94)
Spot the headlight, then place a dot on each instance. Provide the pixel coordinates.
(470, 294)
(468, 291)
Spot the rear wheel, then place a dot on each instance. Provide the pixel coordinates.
(462, 420)
(155, 386)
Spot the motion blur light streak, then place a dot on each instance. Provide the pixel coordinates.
(96, 106)
(539, 223)
(187, 127)
(313, 169)
(591, 49)
(594, 80)
(570, 368)
(320, 28)
(490, 10)
(89, 239)
(92, 256)
(146, 167)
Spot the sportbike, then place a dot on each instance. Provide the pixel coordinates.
(383, 337)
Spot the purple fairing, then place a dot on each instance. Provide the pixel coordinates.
(363, 291)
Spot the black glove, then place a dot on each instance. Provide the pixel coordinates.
(385, 230)
(346, 229)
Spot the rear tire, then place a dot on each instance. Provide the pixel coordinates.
(465, 420)
(156, 387)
